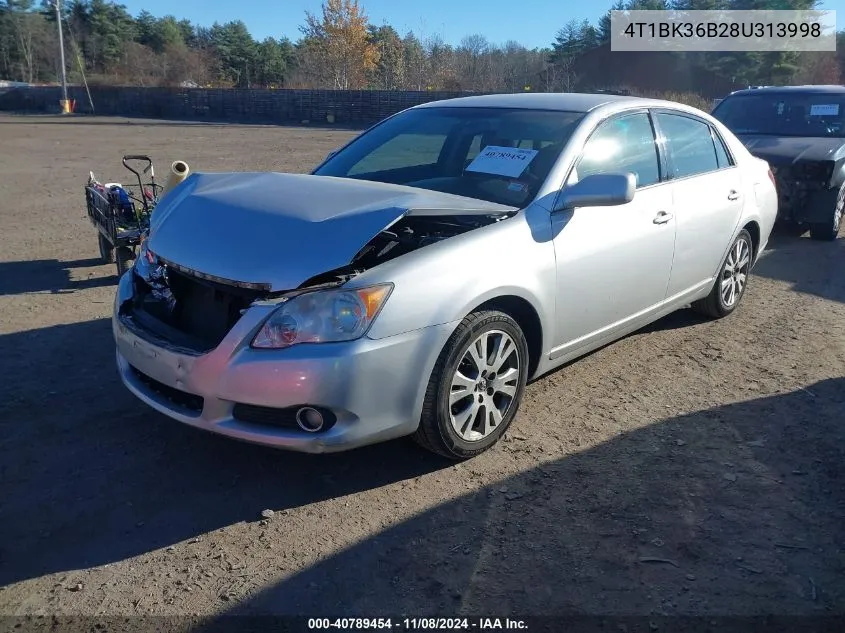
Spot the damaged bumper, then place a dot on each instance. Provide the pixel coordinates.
(366, 391)
(803, 196)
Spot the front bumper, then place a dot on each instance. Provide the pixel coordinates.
(373, 388)
(802, 200)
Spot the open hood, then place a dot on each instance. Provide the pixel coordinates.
(786, 150)
(281, 230)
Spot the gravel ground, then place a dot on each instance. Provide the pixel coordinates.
(692, 468)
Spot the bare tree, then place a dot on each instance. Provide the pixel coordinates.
(818, 68)
(473, 62)
(29, 29)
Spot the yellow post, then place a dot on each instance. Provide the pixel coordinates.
(66, 106)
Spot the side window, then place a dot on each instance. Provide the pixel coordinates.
(721, 152)
(623, 144)
(690, 145)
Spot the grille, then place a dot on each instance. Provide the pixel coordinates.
(198, 315)
(182, 399)
(204, 311)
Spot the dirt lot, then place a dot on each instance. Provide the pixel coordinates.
(693, 468)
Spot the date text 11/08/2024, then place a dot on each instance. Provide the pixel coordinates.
(417, 624)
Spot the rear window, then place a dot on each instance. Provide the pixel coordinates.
(784, 114)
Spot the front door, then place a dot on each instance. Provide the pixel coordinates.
(614, 263)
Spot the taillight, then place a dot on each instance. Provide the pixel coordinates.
(772, 178)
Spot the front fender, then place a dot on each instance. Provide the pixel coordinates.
(443, 282)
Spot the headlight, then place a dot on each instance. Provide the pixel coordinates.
(146, 260)
(324, 316)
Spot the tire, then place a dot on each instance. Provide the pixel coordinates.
(106, 249)
(716, 305)
(827, 231)
(437, 432)
(793, 229)
(123, 255)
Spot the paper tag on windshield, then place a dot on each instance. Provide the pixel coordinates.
(502, 161)
(831, 109)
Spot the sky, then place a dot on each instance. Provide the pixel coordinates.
(532, 23)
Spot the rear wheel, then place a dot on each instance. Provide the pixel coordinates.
(732, 281)
(123, 256)
(476, 386)
(827, 231)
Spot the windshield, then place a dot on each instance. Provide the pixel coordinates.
(784, 114)
(494, 154)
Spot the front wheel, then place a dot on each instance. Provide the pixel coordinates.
(476, 386)
(827, 231)
(732, 281)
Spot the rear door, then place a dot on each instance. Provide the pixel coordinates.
(707, 194)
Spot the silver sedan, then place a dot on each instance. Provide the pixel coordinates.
(422, 274)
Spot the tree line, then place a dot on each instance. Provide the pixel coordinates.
(339, 48)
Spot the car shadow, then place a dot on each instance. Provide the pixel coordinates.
(798, 260)
(735, 510)
(93, 476)
(50, 275)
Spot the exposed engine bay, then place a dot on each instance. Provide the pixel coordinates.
(191, 311)
(408, 234)
(183, 310)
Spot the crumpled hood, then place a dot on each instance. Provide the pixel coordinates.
(786, 150)
(282, 229)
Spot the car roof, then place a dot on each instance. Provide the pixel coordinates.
(563, 101)
(831, 89)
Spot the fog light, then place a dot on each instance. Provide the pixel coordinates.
(309, 419)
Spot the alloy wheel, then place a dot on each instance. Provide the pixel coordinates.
(735, 272)
(484, 385)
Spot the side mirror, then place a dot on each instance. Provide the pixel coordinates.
(598, 190)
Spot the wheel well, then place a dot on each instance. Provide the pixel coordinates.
(754, 230)
(526, 316)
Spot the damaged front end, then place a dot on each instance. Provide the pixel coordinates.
(408, 234)
(182, 309)
(805, 190)
(192, 312)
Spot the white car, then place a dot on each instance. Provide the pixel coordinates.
(416, 280)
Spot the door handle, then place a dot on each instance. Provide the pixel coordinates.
(662, 218)
(733, 195)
